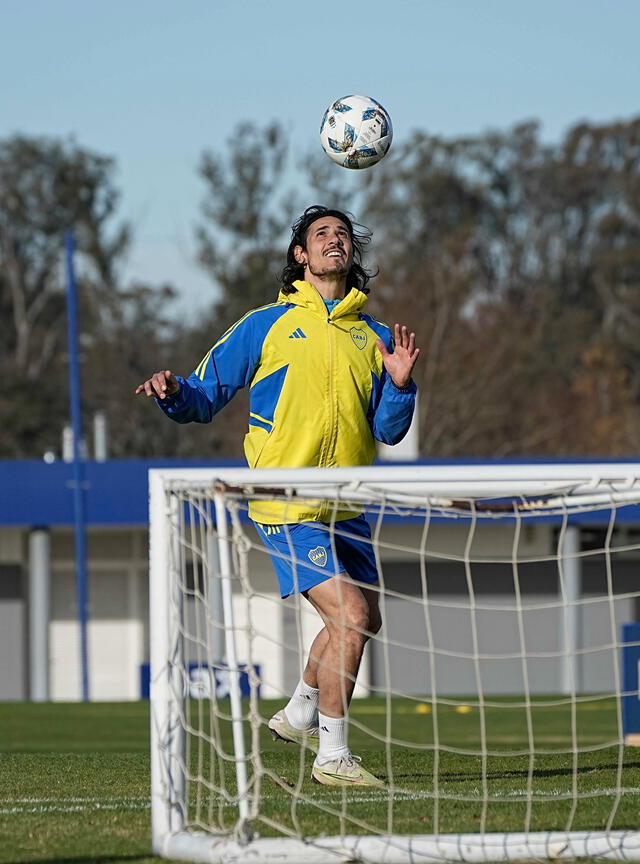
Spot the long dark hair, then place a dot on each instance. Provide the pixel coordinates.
(357, 277)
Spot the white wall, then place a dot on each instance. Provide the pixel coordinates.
(117, 611)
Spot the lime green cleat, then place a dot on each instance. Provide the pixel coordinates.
(346, 771)
(282, 730)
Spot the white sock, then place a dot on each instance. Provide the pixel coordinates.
(333, 738)
(302, 709)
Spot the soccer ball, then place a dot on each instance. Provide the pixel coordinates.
(356, 131)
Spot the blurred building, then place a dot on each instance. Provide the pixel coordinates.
(37, 548)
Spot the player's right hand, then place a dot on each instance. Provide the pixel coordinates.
(160, 384)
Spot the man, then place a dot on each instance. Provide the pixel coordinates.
(326, 380)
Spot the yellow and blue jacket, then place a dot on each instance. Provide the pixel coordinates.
(319, 396)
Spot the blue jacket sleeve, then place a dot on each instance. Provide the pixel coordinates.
(226, 368)
(393, 413)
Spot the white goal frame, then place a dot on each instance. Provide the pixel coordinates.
(590, 484)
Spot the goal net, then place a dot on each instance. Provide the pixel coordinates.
(498, 703)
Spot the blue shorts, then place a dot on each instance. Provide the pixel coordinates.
(304, 555)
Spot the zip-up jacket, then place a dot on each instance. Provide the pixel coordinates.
(319, 396)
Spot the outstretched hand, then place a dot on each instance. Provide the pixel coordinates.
(160, 384)
(400, 364)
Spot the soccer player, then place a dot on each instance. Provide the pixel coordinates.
(326, 381)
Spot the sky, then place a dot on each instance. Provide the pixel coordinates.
(154, 83)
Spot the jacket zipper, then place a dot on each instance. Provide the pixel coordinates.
(329, 445)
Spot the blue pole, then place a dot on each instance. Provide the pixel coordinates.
(78, 468)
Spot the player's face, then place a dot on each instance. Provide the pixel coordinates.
(329, 251)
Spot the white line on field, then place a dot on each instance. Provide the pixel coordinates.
(84, 799)
(13, 806)
(63, 807)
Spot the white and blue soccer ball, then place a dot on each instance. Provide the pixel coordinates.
(356, 131)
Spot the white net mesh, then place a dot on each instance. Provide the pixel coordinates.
(490, 703)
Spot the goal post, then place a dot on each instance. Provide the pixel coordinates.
(493, 706)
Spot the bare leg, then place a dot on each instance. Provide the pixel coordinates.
(351, 615)
(310, 675)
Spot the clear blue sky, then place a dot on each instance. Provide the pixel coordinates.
(155, 82)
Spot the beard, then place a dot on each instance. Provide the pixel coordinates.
(339, 269)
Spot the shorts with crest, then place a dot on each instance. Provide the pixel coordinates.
(305, 554)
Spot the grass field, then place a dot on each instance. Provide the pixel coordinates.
(74, 779)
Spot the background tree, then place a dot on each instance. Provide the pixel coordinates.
(517, 262)
(246, 216)
(503, 248)
(46, 187)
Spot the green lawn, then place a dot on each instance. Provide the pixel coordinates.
(74, 779)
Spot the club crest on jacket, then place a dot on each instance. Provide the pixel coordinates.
(359, 337)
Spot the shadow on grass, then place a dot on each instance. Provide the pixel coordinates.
(537, 774)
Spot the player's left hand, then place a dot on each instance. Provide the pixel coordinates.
(400, 364)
